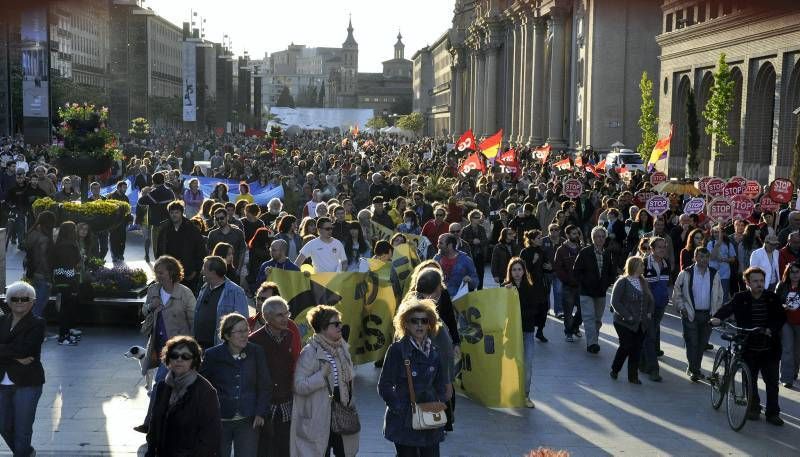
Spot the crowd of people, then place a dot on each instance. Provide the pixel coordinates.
(231, 379)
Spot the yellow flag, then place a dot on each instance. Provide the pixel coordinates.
(367, 305)
(492, 371)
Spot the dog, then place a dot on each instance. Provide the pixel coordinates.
(138, 353)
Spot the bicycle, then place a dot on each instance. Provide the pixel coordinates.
(731, 378)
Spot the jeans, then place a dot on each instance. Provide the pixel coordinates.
(767, 364)
(480, 268)
(68, 312)
(241, 434)
(411, 451)
(592, 309)
(17, 231)
(571, 322)
(630, 343)
(528, 339)
(695, 335)
(726, 289)
(17, 413)
(42, 288)
(648, 359)
(557, 288)
(790, 357)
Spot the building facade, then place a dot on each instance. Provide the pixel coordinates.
(79, 42)
(761, 43)
(431, 85)
(565, 72)
(388, 92)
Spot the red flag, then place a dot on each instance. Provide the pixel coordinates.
(473, 162)
(601, 165)
(273, 149)
(542, 152)
(491, 146)
(508, 160)
(579, 162)
(466, 142)
(591, 169)
(562, 164)
(621, 170)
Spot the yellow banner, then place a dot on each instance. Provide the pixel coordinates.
(492, 371)
(418, 242)
(367, 305)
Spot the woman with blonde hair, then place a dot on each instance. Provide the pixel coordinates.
(413, 353)
(632, 305)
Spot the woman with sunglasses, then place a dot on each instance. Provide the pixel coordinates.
(324, 373)
(21, 372)
(414, 324)
(186, 416)
(238, 370)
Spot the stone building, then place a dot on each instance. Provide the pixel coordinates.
(79, 42)
(431, 85)
(564, 72)
(387, 92)
(761, 42)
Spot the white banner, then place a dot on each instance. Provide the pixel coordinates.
(189, 81)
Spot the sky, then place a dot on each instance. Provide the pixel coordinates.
(260, 26)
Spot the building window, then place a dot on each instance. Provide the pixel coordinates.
(668, 23)
(713, 9)
(701, 13)
(679, 23)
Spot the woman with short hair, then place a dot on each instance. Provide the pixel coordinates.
(324, 373)
(414, 323)
(21, 371)
(632, 305)
(186, 414)
(238, 370)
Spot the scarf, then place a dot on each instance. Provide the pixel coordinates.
(179, 384)
(337, 351)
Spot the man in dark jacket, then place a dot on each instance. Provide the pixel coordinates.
(594, 267)
(180, 238)
(157, 201)
(424, 210)
(757, 307)
(117, 236)
(379, 214)
(563, 262)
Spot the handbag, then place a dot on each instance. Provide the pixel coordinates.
(424, 416)
(344, 418)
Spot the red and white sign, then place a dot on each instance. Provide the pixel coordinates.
(563, 164)
(641, 197)
(733, 189)
(703, 183)
(781, 190)
(657, 205)
(542, 153)
(573, 188)
(737, 179)
(657, 178)
(742, 207)
(769, 205)
(694, 206)
(714, 187)
(720, 210)
(752, 189)
(466, 142)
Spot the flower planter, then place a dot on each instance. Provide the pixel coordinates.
(83, 166)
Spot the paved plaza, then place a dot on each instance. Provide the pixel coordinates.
(94, 396)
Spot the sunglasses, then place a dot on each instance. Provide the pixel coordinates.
(20, 299)
(180, 355)
(337, 324)
(418, 320)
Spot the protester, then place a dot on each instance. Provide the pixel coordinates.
(218, 296)
(564, 260)
(327, 254)
(503, 251)
(766, 259)
(475, 236)
(324, 374)
(657, 273)
(186, 414)
(37, 264)
(66, 261)
(227, 233)
(181, 240)
(595, 271)
(537, 267)
(157, 201)
(414, 322)
(118, 236)
(632, 306)
(788, 292)
(21, 371)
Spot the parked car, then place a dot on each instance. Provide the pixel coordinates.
(628, 157)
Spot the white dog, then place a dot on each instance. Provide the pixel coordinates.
(138, 353)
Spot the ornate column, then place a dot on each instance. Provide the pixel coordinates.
(490, 105)
(537, 130)
(456, 89)
(522, 69)
(480, 92)
(513, 127)
(555, 133)
(469, 92)
(527, 108)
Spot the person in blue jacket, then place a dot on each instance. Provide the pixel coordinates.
(414, 322)
(218, 296)
(238, 370)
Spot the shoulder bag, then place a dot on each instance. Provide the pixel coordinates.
(424, 416)
(344, 418)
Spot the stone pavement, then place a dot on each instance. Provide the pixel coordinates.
(94, 396)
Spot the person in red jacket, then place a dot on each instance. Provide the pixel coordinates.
(437, 226)
(790, 252)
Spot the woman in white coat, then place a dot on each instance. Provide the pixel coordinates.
(324, 367)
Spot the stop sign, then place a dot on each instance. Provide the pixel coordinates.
(657, 205)
(752, 189)
(742, 207)
(573, 188)
(781, 190)
(714, 187)
(737, 179)
(720, 210)
(769, 205)
(657, 178)
(703, 183)
(733, 189)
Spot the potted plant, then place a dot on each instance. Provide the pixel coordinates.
(86, 145)
(140, 128)
(120, 280)
(101, 215)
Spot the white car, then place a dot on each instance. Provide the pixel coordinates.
(628, 157)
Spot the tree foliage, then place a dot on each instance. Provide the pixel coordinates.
(719, 105)
(648, 121)
(285, 99)
(692, 134)
(413, 122)
(376, 123)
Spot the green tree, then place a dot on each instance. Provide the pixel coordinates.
(692, 134)
(719, 105)
(413, 122)
(648, 121)
(285, 99)
(376, 123)
(321, 98)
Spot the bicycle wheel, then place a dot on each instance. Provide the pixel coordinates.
(718, 378)
(739, 398)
